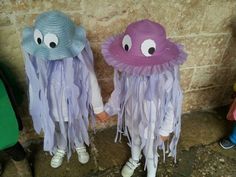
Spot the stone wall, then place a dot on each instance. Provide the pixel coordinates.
(202, 26)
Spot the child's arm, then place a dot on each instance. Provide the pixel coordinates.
(167, 124)
(112, 107)
(96, 99)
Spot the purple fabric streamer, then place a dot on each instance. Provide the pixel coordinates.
(129, 96)
(146, 82)
(69, 77)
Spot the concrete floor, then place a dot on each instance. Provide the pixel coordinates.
(199, 154)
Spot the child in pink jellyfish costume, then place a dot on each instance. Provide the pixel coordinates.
(147, 96)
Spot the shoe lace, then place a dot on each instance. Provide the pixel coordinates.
(59, 154)
(81, 150)
(132, 164)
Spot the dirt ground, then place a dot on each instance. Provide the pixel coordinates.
(199, 154)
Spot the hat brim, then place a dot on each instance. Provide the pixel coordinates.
(122, 60)
(43, 52)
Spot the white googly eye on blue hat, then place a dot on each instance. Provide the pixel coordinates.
(148, 47)
(127, 42)
(51, 40)
(38, 37)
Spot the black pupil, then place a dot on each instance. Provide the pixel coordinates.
(151, 50)
(126, 47)
(39, 40)
(52, 44)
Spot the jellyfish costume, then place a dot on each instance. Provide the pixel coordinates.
(147, 96)
(63, 89)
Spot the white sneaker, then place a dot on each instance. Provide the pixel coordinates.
(129, 167)
(57, 159)
(83, 155)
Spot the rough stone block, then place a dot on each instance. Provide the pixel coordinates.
(189, 17)
(203, 50)
(102, 69)
(218, 16)
(5, 6)
(229, 57)
(209, 76)
(203, 99)
(119, 14)
(25, 20)
(6, 20)
(106, 88)
(186, 78)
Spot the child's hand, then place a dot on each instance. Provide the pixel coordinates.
(164, 138)
(102, 117)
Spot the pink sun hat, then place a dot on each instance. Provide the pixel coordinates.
(143, 49)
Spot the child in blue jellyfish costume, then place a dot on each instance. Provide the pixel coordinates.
(63, 89)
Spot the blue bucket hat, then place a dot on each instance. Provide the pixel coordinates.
(54, 36)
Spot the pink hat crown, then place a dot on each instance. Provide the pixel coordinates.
(143, 49)
(144, 35)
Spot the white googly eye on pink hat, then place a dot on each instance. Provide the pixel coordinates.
(148, 47)
(127, 42)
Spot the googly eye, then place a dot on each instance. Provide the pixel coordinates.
(38, 37)
(50, 40)
(126, 42)
(148, 47)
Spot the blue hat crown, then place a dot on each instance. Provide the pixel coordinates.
(54, 36)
